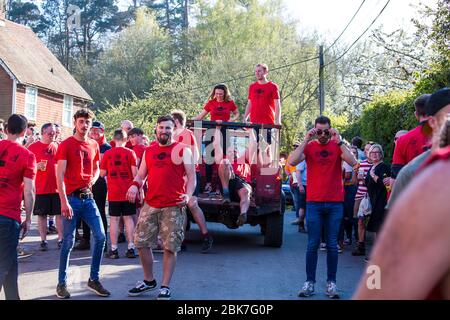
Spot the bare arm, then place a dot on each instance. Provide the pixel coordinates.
(189, 167)
(235, 116)
(95, 173)
(29, 195)
(201, 115)
(139, 178)
(247, 111)
(298, 154)
(420, 257)
(66, 209)
(278, 111)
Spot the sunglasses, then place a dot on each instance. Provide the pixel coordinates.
(319, 132)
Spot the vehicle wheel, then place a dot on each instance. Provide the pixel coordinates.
(273, 236)
(283, 201)
(263, 228)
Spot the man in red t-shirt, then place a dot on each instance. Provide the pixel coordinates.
(47, 198)
(235, 176)
(120, 167)
(325, 196)
(136, 138)
(183, 135)
(263, 106)
(77, 171)
(17, 173)
(165, 165)
(413, 143)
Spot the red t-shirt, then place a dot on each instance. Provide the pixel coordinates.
(127, 145)
(45, 180)
(242, 170)
(81, 157)
(262, 98)
(165, 177)
(139, 150)
(187, 137)
(220, 110)
(410, 146)
(118, 162)
(16, 162)
(324, 164)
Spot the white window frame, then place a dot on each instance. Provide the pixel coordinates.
(67, 99)
(28, 102)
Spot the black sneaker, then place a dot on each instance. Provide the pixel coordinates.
(121, 238)
(61, 291)
(142, 287)
(83, 245)
(52, 230)
(113, 254)
(207, 244)
(164, 294)
(43, 246)
(96, 286)
(60, 244)
(130, 254)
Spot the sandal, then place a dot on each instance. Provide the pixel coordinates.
(242, 219)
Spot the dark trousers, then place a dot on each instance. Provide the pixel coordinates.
(348, 223)
(9, 239)
(99, 189)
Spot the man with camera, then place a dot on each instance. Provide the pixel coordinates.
(324, 200)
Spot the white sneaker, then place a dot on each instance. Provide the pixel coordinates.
(307, 289)
(323, 246)
(332, 291)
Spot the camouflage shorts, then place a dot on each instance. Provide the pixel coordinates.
(168, 223)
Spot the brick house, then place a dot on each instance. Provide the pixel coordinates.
(33, 82)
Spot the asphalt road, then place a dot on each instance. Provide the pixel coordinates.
(238, 267)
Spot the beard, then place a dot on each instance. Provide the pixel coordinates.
(323, 140)
(163, 138)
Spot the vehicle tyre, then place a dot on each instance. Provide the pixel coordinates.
(273, 236)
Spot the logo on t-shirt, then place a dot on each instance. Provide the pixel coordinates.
(324, 153)
(161, 156)
(259, 91)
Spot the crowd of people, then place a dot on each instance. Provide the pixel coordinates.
(143, 187)
(342, 192)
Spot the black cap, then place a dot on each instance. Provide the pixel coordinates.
(437, 101)
(99, 125)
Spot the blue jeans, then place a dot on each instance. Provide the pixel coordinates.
(9, 239)
(329, 215)
(87, 211)
(295, 191)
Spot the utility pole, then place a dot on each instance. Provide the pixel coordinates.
(321, 82)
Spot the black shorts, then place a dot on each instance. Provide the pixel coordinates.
(236, 184)
(121, 208)
(47, 205)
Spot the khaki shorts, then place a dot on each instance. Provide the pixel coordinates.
(168, 223)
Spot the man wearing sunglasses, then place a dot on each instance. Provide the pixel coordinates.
(324, 199)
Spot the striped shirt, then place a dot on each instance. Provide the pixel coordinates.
(362, 189)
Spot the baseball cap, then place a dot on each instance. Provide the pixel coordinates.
(437, 101)
(99, 125)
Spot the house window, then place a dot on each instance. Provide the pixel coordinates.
(31, 103)
(67, 111)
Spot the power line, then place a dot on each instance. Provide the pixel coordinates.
(237, 78)
(359, 36)
(345, 27)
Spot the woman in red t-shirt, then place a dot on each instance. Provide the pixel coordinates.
(220, 106)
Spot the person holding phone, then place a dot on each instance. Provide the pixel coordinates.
(323, 151)
(17, 174)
